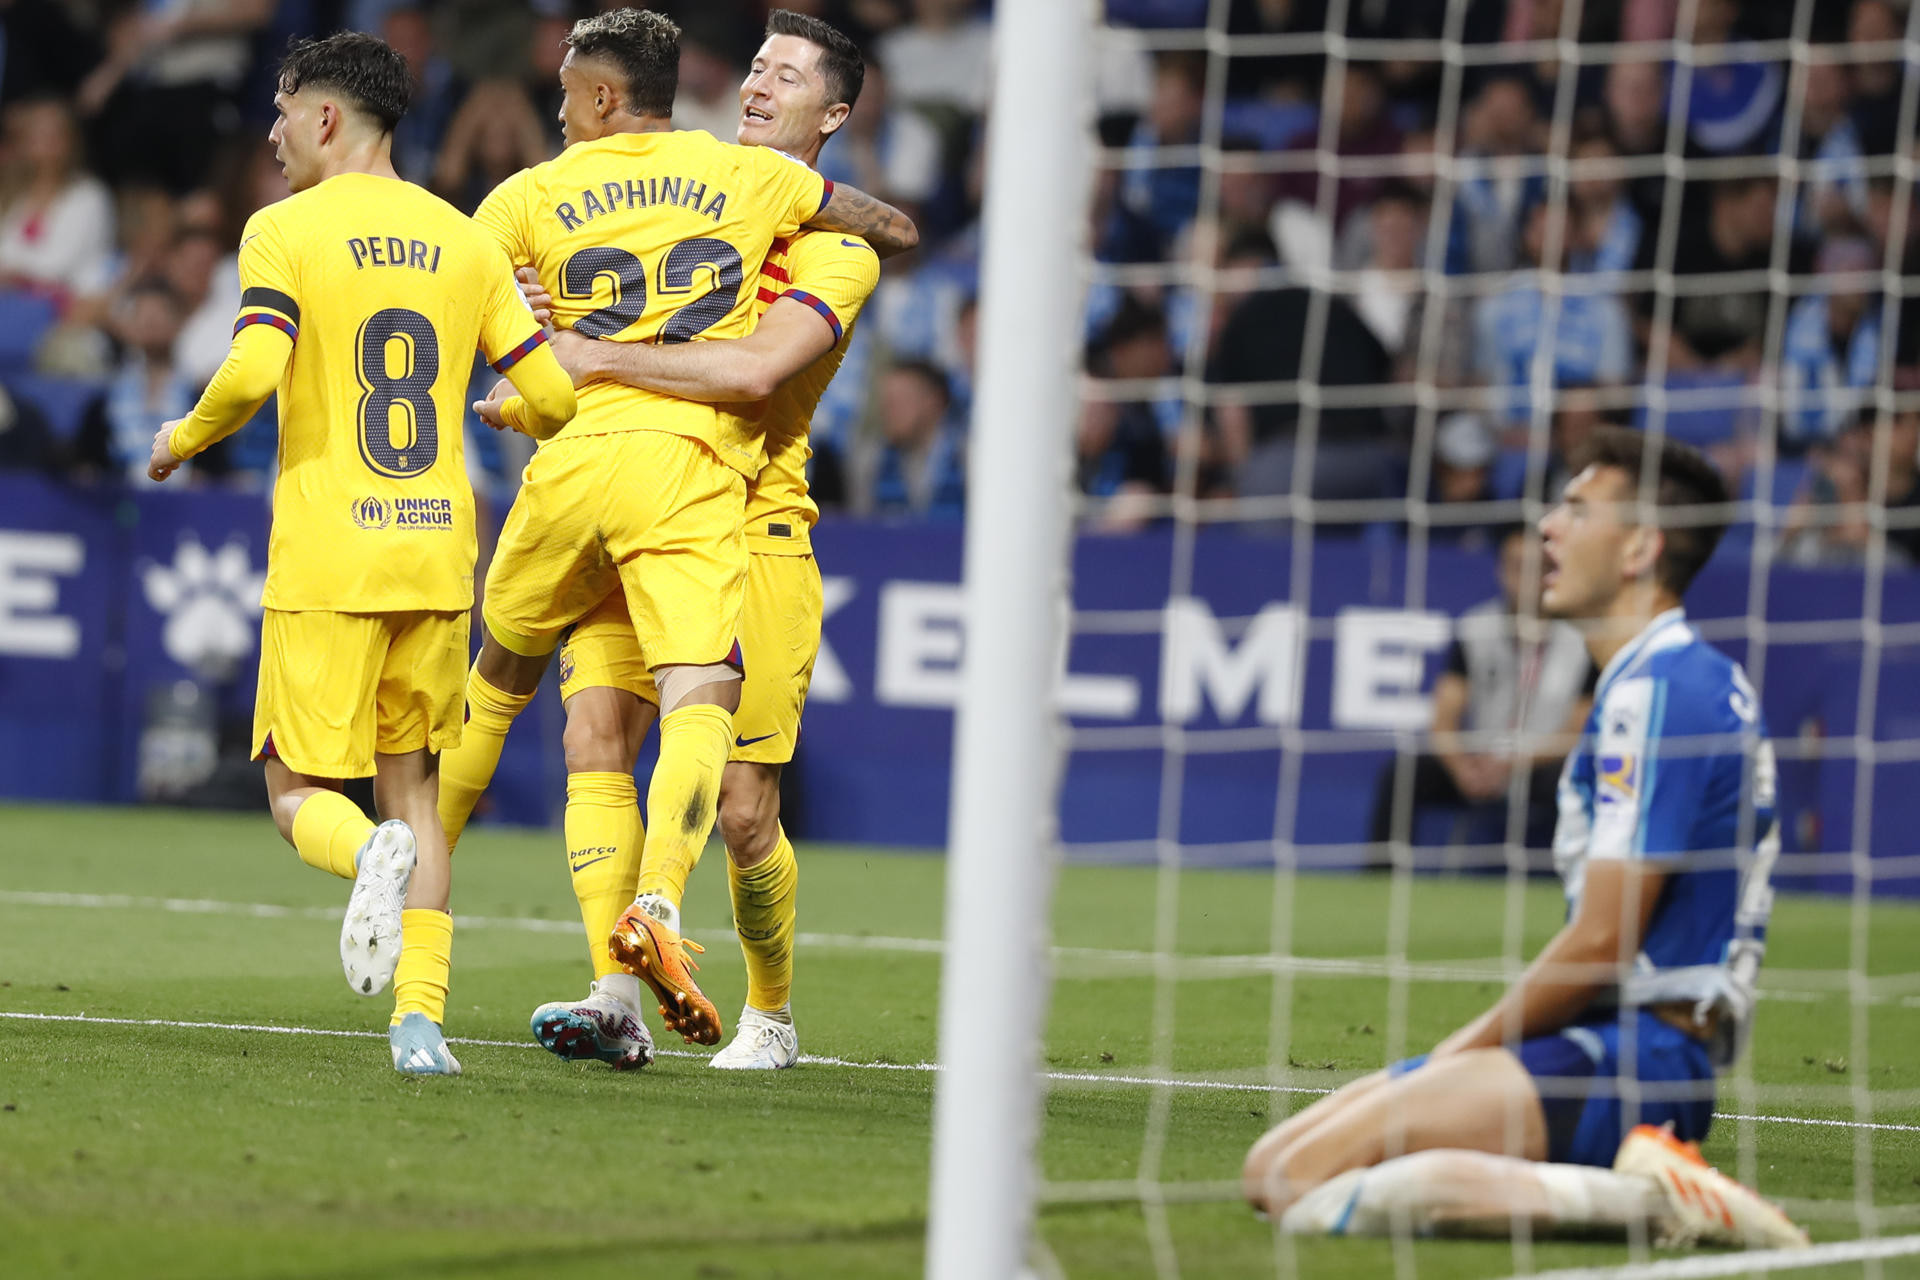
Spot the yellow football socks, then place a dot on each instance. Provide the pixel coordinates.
(426, 958)
(763, 915)
(603, 852)
(681, 800)
(328, 830)
(466, 770)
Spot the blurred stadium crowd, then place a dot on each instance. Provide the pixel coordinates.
(1717, 241)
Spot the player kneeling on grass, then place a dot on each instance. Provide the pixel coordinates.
(1574, 1103)
(362, 297)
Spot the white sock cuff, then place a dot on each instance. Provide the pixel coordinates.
(1328, 1209)
(1567, 1190)
(623, 987)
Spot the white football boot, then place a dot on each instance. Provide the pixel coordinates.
(370, 935)
(419, 1047)
(602, 1026)
(763, 1042)
(1704, 1206)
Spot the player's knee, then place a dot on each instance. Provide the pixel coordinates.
(1253, 1174)
(594, 741)
(749, 827)
(750, 811)
(507, 671)
(283, 808)
(1290, 1174)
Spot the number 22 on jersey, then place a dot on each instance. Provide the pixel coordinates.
(676, 274)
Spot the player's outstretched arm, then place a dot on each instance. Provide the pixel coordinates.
(853, 212)
(545, 402)
(1587, 956)
(516, 346)
(788, 338)
(249, 374)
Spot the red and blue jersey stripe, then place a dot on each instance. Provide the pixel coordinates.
(519, 353)
(826, 312)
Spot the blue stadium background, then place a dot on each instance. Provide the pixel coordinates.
(133, 148)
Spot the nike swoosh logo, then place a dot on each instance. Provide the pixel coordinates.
(582, 866)
(747, 742)
(856, 244)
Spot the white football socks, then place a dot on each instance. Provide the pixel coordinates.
(1472, 1193)
(623, 987)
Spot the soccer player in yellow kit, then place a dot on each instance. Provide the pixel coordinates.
(799, 91)
(362, 297)
(649, 235)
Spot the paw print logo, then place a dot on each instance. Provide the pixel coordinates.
(209, 601)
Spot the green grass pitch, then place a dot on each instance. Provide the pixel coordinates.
(197, 1151)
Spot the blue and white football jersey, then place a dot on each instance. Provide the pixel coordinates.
(1675, 768)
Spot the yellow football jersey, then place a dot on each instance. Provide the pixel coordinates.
(834, 275)
(386, 291)
(655, 237)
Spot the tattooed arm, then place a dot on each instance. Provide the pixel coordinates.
(853, 212)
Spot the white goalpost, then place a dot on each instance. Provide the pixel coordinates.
(994, 980)
(1255, 676)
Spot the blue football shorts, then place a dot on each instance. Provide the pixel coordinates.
(1590, 1103)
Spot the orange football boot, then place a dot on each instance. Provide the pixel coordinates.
(1705, 1206)
(657, 955)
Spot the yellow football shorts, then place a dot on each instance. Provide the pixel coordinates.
(655, 514)
(335, 688)
(779, 638)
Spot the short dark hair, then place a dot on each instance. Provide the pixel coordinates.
(191, 234)
(1250, 242)
(1739, 185)
(1133, 320)
(929, 373)
(840, 61)
(644, 46)
(1189, 64)
(156, 287)
(1400, 191)
(1686, 480)
(365, 70)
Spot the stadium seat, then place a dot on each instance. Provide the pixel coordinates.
(64, 401)
(1510, 474)
(1789, 477)
(1705, 407)
(1271, 124)
(24, 320)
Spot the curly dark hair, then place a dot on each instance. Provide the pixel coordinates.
(363, 69)
(840, 61)
(1685, 480)
(644, 46)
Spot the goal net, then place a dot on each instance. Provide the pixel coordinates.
(1361, 277)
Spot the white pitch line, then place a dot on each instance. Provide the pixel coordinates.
(810, 1059)
(1147, 961)
(1693, 1268)
(1706, 1266)
(1066, 1077)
